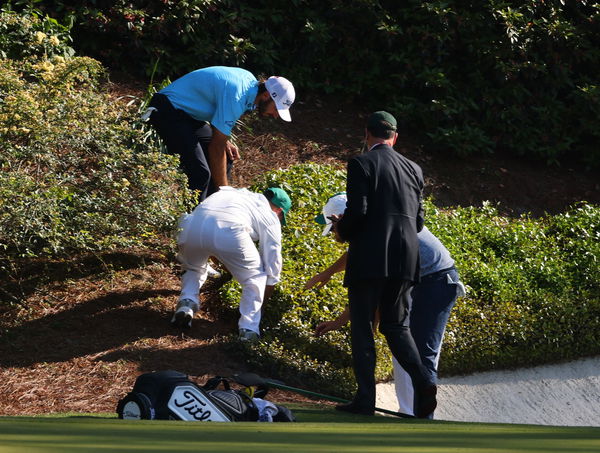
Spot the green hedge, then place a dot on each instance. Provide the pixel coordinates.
(474, 77)
(76, 175)
(533, 290)
(534, 295)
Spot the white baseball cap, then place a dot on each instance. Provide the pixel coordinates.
(336, 205)
(283, 93)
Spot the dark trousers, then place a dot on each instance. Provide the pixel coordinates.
(432, 301)
(391, 296)
(187, 137)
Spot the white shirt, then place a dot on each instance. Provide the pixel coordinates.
(253, 212)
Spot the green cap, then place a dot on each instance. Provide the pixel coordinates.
(381, 121)
(280, 199)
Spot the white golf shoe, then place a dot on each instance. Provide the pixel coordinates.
(184, 313)
(211, 272)
(248, 335)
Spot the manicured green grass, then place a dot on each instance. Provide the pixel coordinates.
(318, 430)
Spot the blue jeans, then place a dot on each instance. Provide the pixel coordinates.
(432, 300)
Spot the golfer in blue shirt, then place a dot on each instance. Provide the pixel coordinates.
(195, 114)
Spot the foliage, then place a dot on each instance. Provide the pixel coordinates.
(507, 75)
(289, 348)
(30, 35)
(473, 77)
(76, 174)
(533, 293)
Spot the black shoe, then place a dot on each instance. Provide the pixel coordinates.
(182, 320)
(184, 313)
(427, 401)
(354, 409)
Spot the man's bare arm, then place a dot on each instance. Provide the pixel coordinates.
(322, 278)
(217, 158)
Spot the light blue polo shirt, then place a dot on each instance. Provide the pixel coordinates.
(217, 94)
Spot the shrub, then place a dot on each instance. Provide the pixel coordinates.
(74, 175)
(77, 175)
(31, 35)
(533, 296)
(289, 349)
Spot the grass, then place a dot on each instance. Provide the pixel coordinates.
(317, 430)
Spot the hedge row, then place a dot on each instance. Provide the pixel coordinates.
(75, 175)
(474, 77)
(533, 290)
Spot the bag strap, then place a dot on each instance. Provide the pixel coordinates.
(214, 382)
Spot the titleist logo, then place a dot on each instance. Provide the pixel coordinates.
(193, 406)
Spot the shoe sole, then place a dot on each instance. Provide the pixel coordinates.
(182, 320)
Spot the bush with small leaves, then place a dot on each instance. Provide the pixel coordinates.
(77, 172)
(472, 77)
(533, 293)
(33, 35)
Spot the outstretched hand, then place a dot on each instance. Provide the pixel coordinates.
(318, 280)
(233, 153)
(336, 324)
(328, 326)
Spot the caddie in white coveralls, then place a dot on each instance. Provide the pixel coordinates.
(225, 226)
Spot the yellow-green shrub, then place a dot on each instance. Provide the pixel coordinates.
(533, 292)
(77, 174)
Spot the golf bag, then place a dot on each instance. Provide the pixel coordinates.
(267, 410)
(170, 395)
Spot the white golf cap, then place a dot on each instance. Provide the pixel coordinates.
(283, 93)
(336, 205)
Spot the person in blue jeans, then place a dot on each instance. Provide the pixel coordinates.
(432, 300)
(195, 114)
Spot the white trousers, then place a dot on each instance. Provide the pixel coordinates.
(204, 236)
(405, 392)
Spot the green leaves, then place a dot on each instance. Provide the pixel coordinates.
(532, 286)
(533, 294)
(469, 77)
(77, 173)
(30, 35)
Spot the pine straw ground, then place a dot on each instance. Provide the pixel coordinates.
(80, 331)
(80, 340)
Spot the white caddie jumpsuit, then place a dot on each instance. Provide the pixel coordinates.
(225, 226)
